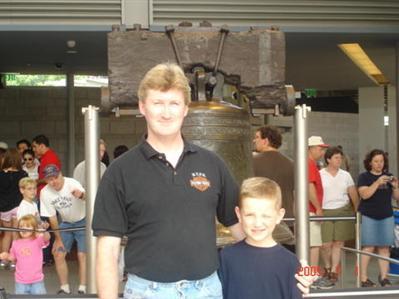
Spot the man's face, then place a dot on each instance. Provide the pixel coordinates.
(22, 147)
(164, 112)
(29, 191)
(38, 149)
(55, 182)
(259, 217)
(258, 142)
(317, 152)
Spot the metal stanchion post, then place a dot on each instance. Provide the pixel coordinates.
(92, 168)
(358, 247)
(301, 183)
(343, 266)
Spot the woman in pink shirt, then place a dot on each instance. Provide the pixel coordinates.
(28, 254)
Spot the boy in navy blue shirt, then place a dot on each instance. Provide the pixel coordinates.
(258, 267)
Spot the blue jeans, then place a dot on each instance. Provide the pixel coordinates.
(78, 235)
(206, 288)
(36, 288)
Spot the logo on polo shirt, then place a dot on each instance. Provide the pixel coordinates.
(199, 181)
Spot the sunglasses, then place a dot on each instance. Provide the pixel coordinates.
(28, 159)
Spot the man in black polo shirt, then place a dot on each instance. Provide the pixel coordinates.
(164, 195)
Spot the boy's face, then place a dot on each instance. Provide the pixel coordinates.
(258, 218)
(29, 191)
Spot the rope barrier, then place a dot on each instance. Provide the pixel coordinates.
(311, 218)
(13, 229)
(325, 218)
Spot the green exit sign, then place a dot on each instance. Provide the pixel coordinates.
(310, 92)
(11, 77)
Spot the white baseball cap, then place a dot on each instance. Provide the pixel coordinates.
(3, 145)
(316, 141)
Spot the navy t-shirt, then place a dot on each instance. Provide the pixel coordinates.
(258, 273)
(379, 205)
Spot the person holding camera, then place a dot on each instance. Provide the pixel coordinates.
(376, 186)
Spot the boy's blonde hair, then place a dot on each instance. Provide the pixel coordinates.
(26, 181)
(28, 220)
(261, 188)
(164, 77)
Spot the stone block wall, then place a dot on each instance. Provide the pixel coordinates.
(335, 128)
(29, 111)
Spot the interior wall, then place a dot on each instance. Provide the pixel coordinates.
(371, 123)
(335, 129)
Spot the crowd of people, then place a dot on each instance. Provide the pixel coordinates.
(35, 196)
(333, 193)
(164, 195)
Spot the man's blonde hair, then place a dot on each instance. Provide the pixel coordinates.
(26, 181)
(164, 77)
(260, 188)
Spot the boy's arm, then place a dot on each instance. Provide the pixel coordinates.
(297, 288)
(304, 282)
(222, 271)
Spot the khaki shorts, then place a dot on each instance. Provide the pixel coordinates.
(315, 232)
(338, 230)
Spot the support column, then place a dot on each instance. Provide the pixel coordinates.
(71, 123)
(397, 103)
(301, 183)
(92, 169)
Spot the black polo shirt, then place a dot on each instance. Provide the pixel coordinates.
(167, 213)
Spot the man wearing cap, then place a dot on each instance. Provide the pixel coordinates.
(3, 149)
(316, 150)
(65, 196)
(3, 145)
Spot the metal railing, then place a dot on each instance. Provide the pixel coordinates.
(357, 219)
(349, 293)
(359, 252)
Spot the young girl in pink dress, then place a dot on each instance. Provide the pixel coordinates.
(28, 254)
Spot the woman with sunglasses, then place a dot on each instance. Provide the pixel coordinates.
(31, 165)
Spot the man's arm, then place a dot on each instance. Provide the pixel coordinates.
(313, 199)
(107, 266)
(58, 245)
(237, 232)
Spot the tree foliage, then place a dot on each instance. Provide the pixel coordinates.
(33, 80)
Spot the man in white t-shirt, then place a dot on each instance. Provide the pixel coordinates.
(65, 196)
(79, 173)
